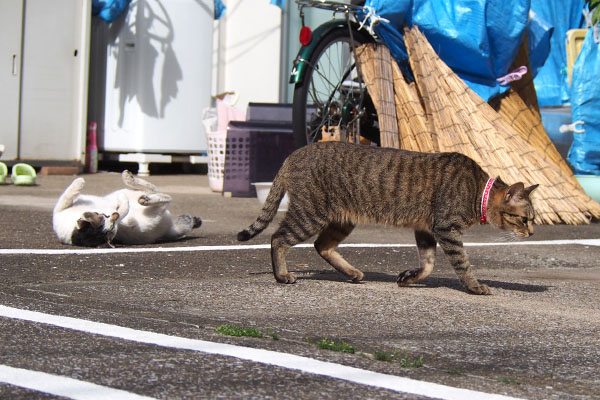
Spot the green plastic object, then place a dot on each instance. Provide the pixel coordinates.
(591, 185)
(3, 173)
(23, 175)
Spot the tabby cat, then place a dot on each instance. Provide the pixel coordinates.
(333, 186)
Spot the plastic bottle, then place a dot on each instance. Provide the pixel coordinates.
(91, 159)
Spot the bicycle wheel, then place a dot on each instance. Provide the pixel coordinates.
(332, 99)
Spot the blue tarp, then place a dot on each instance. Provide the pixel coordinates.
(551, 82)
(478, 39)
(584, 154)
(220, 7)
(109, 10)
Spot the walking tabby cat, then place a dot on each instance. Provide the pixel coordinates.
(333, 186)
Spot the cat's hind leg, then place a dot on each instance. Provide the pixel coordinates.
(135, 183)
(426, 245)
(66, 199)
(326, 243)
(294, 229)
(154, 199)
(182, 225)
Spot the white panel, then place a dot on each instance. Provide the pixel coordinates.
(11, 18)
(158, 78)
(54, 79)
(249, 59)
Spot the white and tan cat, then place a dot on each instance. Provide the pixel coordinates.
(135, 215)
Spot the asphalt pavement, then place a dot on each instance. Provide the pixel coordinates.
(536, 337)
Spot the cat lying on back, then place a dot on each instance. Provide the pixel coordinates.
(136, 215)
(333, 186)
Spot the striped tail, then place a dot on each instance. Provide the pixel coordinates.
(269, 211)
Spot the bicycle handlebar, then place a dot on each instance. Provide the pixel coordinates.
(330, 5)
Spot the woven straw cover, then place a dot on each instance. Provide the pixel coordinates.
(378, 77)
(441, 113)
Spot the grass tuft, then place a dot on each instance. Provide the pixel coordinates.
(334, 345)
(400, 356)
(234, 330)
(383, 356)
(507, 380)
(272, 333)
(456, 371)
(407, 362)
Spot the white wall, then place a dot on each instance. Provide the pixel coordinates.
(247, 51)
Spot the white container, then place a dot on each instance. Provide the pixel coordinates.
(262, 191)
(158, 78)
(216, 159)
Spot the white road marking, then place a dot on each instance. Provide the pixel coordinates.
(117, 250)
(62, 386)
(284, 360)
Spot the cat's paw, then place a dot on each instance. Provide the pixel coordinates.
(286, 278)
(128, 178)
(144, 200)
(78, 184)
(188, 221)
(407, 277)
(357, 277)
(479, 289)
(197, 222)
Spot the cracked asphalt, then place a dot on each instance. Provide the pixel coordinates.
(536, 337)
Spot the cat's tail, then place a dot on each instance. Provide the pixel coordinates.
(269, 210)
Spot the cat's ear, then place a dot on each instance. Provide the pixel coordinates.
(82, 223)
(89, 218)
(514, 191)
(530, 189)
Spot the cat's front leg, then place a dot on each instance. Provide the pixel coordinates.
(135, 183)
(68, 197)
(450, 240)
(154, 199)
(122, 207)
(426, 245)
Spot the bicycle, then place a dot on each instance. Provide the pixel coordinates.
(331, 101)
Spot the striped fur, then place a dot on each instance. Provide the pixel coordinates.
(333, 186)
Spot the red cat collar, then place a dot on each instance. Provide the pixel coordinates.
(484, 199)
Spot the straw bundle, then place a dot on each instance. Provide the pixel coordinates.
(412, 126)
(467, 124)
(416, 131)
(374, 66)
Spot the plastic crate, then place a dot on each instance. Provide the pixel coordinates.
(216, 159)
(254, 152)
(273, 112)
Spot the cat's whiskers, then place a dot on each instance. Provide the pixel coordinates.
(507, 236)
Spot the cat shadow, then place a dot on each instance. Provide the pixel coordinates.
(157, 242)
(430, 282)
(186, 238)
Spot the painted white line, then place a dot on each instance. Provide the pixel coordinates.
(82, 251)
(62, 386)
(284, 360)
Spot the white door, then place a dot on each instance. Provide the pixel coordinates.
(54, 84)
(11, 28)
